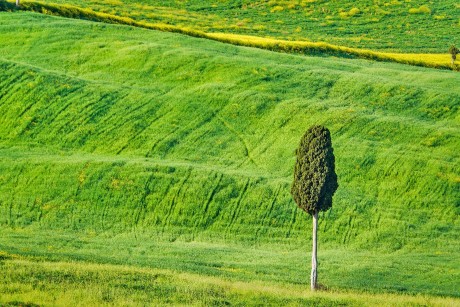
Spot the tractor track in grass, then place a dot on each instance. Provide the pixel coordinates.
(45, 156)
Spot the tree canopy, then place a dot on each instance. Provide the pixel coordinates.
(315, 180)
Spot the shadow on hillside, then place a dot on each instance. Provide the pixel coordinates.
(7, 6)
(22, 304)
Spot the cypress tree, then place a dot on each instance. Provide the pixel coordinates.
(453, 53)
(315, 180)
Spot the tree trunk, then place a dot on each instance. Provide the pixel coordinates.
(17, 2)
(314, 263)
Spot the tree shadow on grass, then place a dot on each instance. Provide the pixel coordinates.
(22, 304)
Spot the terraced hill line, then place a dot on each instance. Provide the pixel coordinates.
(44, 155)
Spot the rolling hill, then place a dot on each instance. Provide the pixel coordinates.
(113, 131)
(397, 26)
(440, 60)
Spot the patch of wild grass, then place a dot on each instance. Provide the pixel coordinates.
(423, 9)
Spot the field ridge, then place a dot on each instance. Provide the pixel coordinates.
(59, 156)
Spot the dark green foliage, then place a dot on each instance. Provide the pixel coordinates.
(453, 50)
(6, 6)
(315, 180)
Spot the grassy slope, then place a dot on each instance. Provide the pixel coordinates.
(82, 284)
(379, 25)
(433, 274)
(110, 129)
(441, 60)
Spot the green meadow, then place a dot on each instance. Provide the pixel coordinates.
(82, 270)
(431, 60)
(414, 26)
(145, 167)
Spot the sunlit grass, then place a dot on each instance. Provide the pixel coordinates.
(302, 47)
(393, 26)
(62, 283)
(174, 154)
(91, 284)
(427, 60)
(143, 271)
(158, 128)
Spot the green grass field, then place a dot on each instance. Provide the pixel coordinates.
(440, 60)
(401, 26)
(88, 269)
(167, 158)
